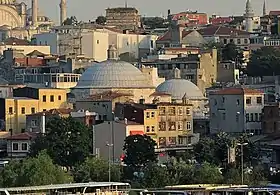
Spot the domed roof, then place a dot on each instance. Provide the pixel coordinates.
(177, 88)
(113, 74)
(7, 2)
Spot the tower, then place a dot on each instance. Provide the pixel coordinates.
(63, 14)
(34, 12)
(249, 14)
(264, 8)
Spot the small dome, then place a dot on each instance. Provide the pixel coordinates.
(177, 88)
(7, 2)
(112, 74)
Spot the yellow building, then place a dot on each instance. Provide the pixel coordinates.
(13, 112)
(151, 123)
(29, 100)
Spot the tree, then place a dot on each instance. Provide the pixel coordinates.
(139, 151)
(264, 62)
(101, 20)
(67, 141)
(71, 21)
(96, 170)
(231, 52)
(39, 170)
(207, 173)
(154, 22)
(211, 45)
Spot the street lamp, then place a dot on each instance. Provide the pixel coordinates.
(109, 160)
(242, 161)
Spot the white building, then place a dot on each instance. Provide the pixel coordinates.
(236, 110)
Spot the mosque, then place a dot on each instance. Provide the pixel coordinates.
(141, 84)
(18, 21)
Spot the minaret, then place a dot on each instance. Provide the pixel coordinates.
(264, 8)
(249, 14)
(34, 12)
(63, 14)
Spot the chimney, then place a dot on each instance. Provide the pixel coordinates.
(112, 53)
(63, 14)
(34, 12)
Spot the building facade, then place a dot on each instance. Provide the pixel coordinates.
(236, 110)
(123, 18)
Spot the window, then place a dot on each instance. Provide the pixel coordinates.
(257, 117)
(148, 129)
(188, 111)
(225, 41)
(172, 126)
(97, 41)
(32, 110)
(238, 102)
(153, 114)
(180, 111)
(153, 129)
(59, 97)
(33, 123)
(260, 116)
(223, 99)
(52, 98)
(180, 125)
(10, 110)
(44, 110)
(248, 100)
(15, 146)
(162, 110)
(181, 140)
(238, 41)
(105, 117)
(162, 141)
(172, 111)
(247, 117)
(189, 125)
(251, 117)
(44, 98)
(172, 141)
(246, 41)
(22, 110)
(224, 116)
(162, 126)
(24, 146)
(147, 114)
(259, 100)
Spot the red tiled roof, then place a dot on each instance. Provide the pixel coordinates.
(274, 13)
(167, 35)
(220, 20)
(237, 91)
(221, 30)
(23, 136)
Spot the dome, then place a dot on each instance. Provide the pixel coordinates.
(177, 88)
(112, 74)
(7, 2)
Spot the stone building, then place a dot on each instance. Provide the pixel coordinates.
(123, 18)
(200, 68)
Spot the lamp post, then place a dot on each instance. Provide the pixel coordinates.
(242, 161)
(109, 160)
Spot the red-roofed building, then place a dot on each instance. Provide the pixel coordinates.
(220, 20)
(18, 145)
(190, 18)
(236, 110)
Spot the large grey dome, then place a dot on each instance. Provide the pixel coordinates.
(113, 74)
(177, 88)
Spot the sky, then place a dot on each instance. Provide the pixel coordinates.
(89, 9)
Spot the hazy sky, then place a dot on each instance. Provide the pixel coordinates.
(90, 9)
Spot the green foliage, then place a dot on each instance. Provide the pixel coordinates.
(34, 171)
(140, 151)
(264, 62)
(71, 21)
(101, 20)
(211, 45)
(231, 52)
(213, 150)
(154, 22)
(96, 170)
(67, 141)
